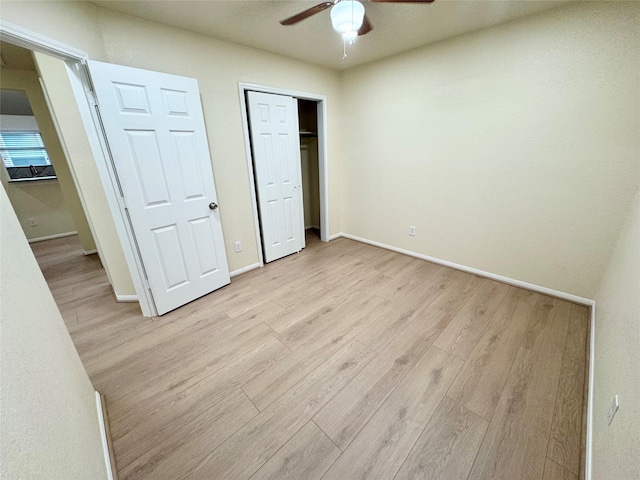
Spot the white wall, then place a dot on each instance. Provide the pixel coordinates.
(514, 150)
(616, 448)
(48, 417)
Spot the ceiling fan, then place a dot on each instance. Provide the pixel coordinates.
(347, 16)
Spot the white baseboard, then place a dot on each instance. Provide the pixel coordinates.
(242, 270)
(500, 278)
(336, 235)
(103, 436)
(588, 475)
(51, 237)
(89, 252)
(126, 298)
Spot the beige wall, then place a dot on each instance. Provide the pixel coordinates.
(617, 358)
(513, 150)
(42, 201)
(53, 203)
(218, 66)
(48, 416)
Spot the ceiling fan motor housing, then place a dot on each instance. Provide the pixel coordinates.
(347, 16)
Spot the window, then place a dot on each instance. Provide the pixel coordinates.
(25, 156)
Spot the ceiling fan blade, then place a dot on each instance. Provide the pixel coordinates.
(307, 13)
(366, 26)
(402, 1)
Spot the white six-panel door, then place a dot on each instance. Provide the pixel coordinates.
(276, 154)
(156, 134)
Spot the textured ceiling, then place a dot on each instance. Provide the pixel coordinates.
(398, 27)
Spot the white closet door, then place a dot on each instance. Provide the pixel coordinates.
(276, 154)
(156, 134)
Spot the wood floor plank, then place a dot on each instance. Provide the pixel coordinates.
(201, 349)
(150, 417)
(448, 445)
(288, 293)
(300, 310)
(479, 384)
(259, 439)
(267, 387)
(370, 256)
(306, 456)
(241, 300)
(464, 331)
(348, 307)
(345, 415)
(383, 444)
(430, 321)
(409, 287)
(515, 444)
(192, 441)
(566, 429)
(387, 322)
(196, 315)
(154, 335)
(367, 369)
(390, 322)
(392, 263)
(553, 471)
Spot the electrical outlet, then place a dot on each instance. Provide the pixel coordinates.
(613, 408)
(237, 246)
(32, 222)
(412, 230)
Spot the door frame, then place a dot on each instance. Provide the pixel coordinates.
(78, 72)
(322, 154)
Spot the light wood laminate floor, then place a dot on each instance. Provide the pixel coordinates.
(342, 362)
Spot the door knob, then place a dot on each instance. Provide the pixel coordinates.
(213, 206)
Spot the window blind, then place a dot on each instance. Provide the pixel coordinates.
(23, 149)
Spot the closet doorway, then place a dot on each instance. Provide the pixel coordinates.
(310, 168)
(288, 190)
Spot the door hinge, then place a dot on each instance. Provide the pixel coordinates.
(91, 95)
(122, 203)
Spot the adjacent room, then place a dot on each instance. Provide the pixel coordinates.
(342, 240)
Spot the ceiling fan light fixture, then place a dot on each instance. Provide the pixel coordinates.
(350, 36)
(347, 17)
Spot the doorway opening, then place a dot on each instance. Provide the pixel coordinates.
(35, 171)
(310, 159)
(37, 175)
(72, 65)
(38, 178)
(308, 123)
(68, 74)
(79, 90)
